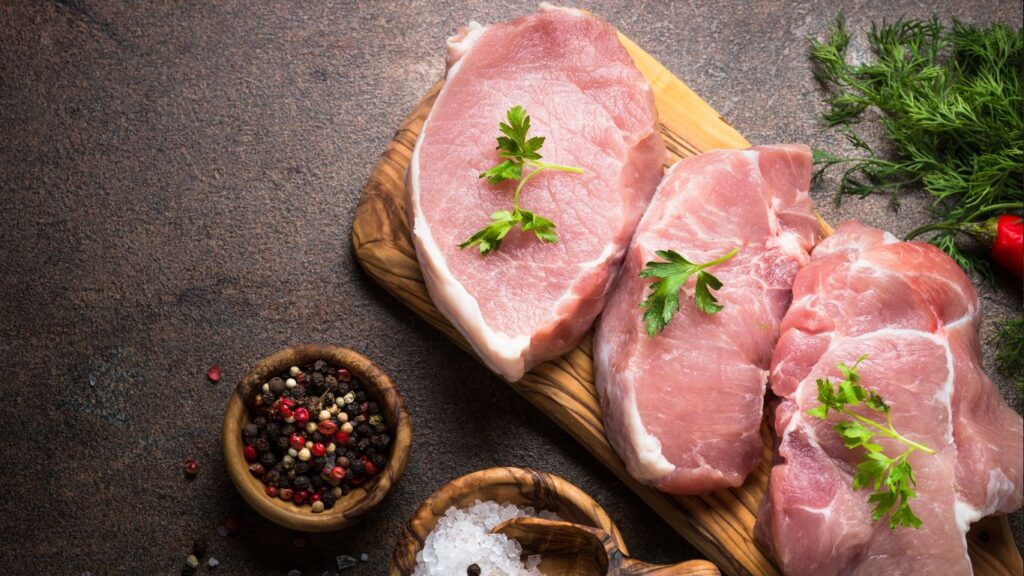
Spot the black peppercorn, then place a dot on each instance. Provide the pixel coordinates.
(332, 383)
(260, 421)
(301, 483)
(262, 445)
(360, 396)
(357, 467)
(380, 441)
(328, 500)
(364, 430)
(268, 460)
(287, 430)
(320, 366)
(277, 386)
(373, 408)
(250, 430)
(273, 431)
(379, 461)
(301, 467)
(473, 570)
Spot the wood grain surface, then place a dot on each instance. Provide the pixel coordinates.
(569, 549)
(720, 524)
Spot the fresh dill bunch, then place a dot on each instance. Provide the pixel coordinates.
(951, 104)
(1010, 342)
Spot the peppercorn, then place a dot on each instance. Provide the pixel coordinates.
(301, 467)
(272, 476)
(257, 470)
(250, 430)
(191, 468)
(260, 421)
(277, 386)
(191, 561)
(329, 499)
(301, 483)
(357, 467)
(317, 507)
(379, 461)
(473, 570)
(320, 366)
(285, 494)
(301, 416)
(273, 431)
(360, 396)
(262, 445)
(249, 452)
(344, 375)
(380, 440)
(373, 407)
(300, 496)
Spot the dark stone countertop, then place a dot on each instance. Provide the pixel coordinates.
(178, 182)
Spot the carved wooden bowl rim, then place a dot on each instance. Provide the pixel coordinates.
(350, 508)
(520, 486)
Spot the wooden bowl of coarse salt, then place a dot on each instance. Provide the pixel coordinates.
(541, 494)
(356, 503)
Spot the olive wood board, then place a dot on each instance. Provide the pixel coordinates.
(720, 524)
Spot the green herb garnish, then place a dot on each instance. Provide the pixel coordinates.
(663, 302)
(518, 152)
(950, 103)
(1010, 354)
(891, 479)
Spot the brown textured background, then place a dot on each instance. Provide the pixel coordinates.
(177, 183)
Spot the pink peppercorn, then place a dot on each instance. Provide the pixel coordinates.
(318, 449)
(301, 415)
(344, 375)
(272, 491)
(327, 427)
(249, 452)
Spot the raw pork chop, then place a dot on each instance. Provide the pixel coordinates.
(532, 301)
(915, 314)
(683, 408)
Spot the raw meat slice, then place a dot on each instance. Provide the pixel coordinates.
(532, 301)
(683, 409)
(915, 314)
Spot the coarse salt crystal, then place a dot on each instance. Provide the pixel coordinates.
(463, 537)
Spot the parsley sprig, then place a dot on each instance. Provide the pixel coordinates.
(891, 479)
(663, 302)
(519, 152)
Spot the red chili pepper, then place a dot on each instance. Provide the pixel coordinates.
(1008, 245)
(1003, 234)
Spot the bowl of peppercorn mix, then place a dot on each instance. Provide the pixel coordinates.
(315, 436)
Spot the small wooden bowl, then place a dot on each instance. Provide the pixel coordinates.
(350, 508)
(519, 486)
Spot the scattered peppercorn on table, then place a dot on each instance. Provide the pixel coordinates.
(179, 185)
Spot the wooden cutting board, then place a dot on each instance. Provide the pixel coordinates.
(721, 524)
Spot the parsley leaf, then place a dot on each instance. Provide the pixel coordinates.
(672, 274)
(891, 480)
(518, 152)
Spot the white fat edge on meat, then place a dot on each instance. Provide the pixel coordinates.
(653, 465)
(503, 353)
(547, 6)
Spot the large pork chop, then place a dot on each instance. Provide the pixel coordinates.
(532, 301)
(683, 408)
(914, 313)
